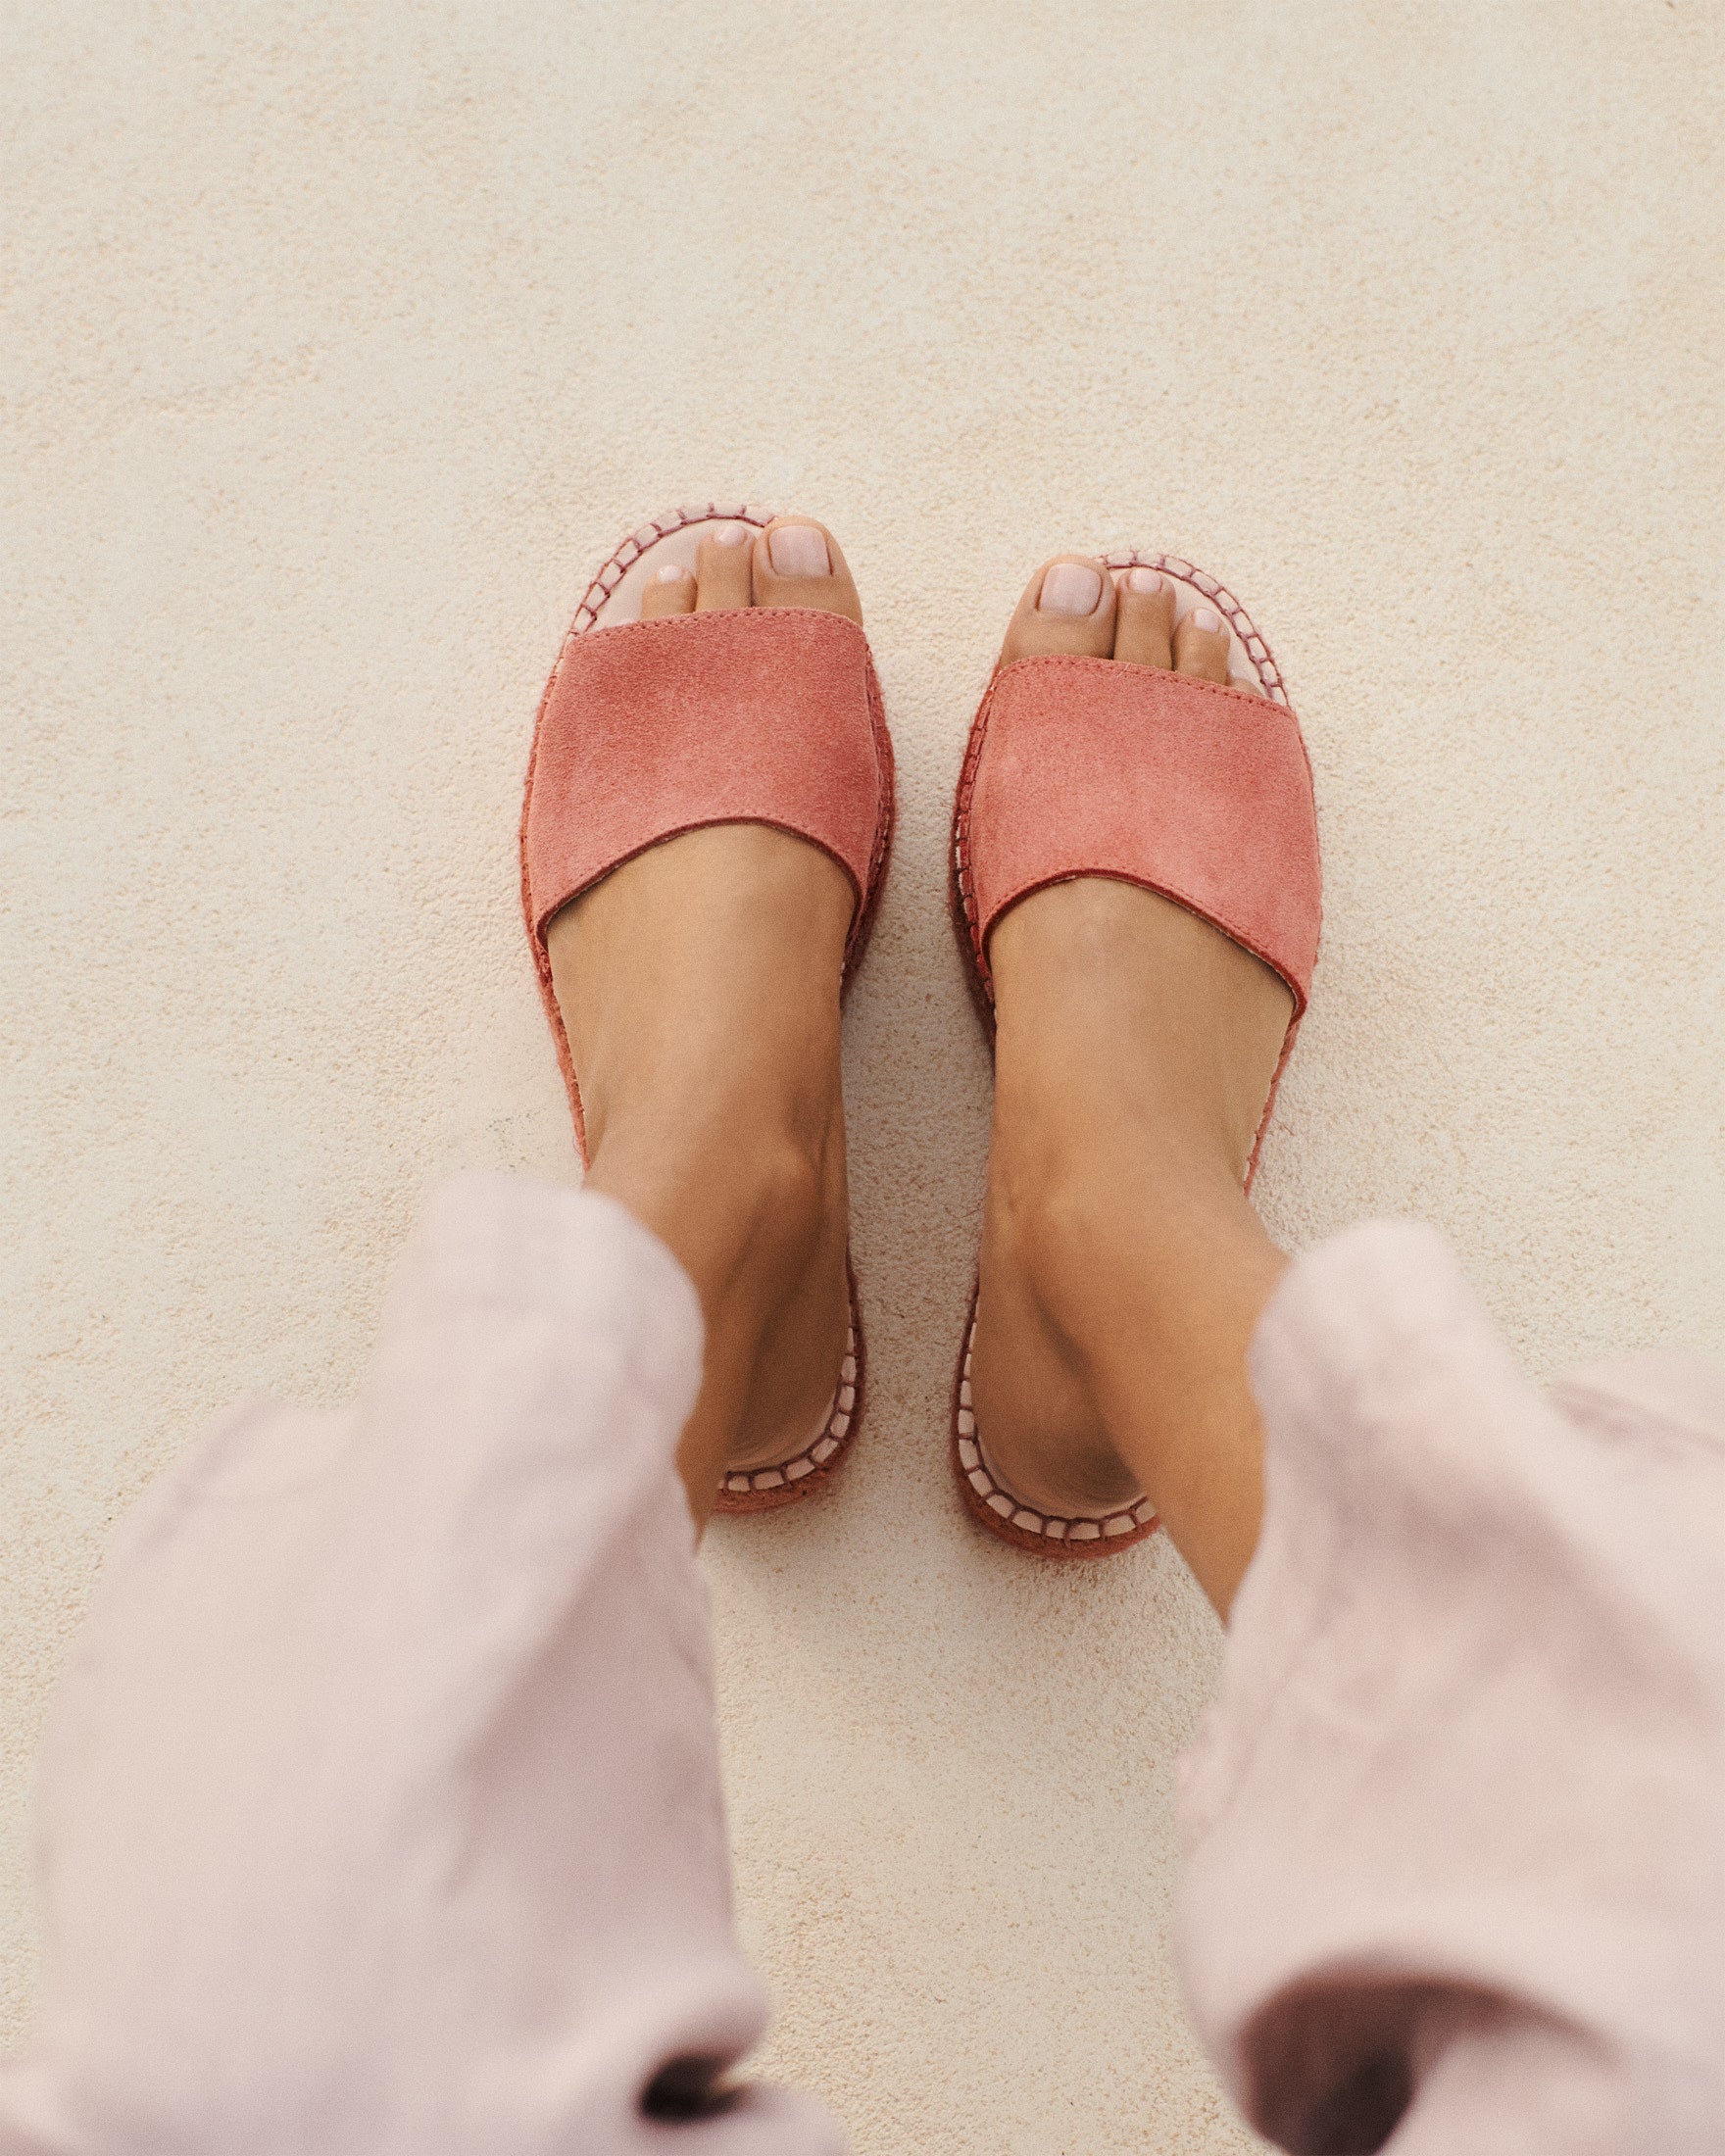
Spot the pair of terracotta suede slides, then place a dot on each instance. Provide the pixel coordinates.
(1074, 767)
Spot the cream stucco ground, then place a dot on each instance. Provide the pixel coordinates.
(340, 342)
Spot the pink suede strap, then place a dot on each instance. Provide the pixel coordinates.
(1084, 766)
(770, 714)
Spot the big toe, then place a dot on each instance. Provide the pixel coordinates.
(1067, 611)
(798, 562)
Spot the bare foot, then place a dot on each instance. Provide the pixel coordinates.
(699, 986)
(1136, 1046)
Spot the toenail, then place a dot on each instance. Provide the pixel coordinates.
(1207, 618)
(800, 550)
(730, 535)
(1148, 580)
(1070, 587)
(671, 573)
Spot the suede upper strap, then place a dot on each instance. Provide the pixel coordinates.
(1085, 766)
(769, 714)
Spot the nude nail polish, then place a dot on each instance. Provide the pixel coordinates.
(1070, 588)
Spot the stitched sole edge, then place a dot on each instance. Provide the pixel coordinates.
(806, 1473)
(1062, 1538)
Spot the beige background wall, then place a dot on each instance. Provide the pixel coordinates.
(339, 343)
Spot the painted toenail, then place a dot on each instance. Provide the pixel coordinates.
(730, 535)
(1148, 580)
(1070, 587)
(1207, 618)
(800, 550)
(671, 573)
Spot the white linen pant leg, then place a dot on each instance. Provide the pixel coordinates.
(1455, 1826)
(380, 1808)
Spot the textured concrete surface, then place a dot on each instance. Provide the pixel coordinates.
(339, 343)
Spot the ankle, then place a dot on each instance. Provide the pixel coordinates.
(1150, 1277)
(741, 1204)
(709, 1096)
(1076, 1152)
(1127, 1229)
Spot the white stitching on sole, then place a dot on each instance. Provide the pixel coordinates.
(1269, 674)
(631, 549)
(973, 1463)
(833, 1428)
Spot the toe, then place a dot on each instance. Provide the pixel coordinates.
(1200, 645)
(1144, 619)
(798, 564)
(1067, 611)
(721, 569)
(671, 591)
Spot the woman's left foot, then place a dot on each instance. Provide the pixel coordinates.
(699, 986)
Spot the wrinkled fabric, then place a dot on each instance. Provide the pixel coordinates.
(380, 1803)
(1454, 1827)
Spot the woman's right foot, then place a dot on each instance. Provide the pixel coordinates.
(1135, 1048)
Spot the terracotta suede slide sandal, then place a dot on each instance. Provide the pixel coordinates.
(1202, 793)
(652, 728)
